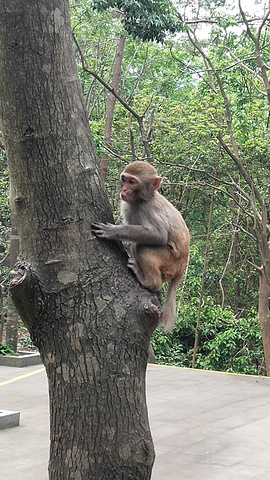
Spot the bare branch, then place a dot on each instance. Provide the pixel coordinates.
(242, 170)
(256, 41)
(249, 70)
(110, 89)
(193, 70)
(138, 117)
(5, 257)
(227, 263)
(246, 232)
(243, 15)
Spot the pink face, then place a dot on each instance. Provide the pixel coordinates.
(129, 184)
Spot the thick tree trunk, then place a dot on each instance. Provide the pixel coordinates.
(86, 313)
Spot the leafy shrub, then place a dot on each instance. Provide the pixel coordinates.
(26, 342)
(6, 349)
(226, 343)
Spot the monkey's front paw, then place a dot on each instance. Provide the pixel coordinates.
(103, 230)
(98, 229)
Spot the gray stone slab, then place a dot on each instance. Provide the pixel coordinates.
(9, 419)
(22, 360)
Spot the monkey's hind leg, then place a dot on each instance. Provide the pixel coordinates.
(149, 276)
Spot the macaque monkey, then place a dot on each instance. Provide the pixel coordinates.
(158, 234)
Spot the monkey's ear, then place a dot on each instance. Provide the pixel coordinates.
(155, 183)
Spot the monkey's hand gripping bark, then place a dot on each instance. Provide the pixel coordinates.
(105, 230)
(109, 231)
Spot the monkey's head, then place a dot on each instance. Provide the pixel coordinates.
(139, 181)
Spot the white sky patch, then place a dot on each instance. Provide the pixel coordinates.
(253, 9)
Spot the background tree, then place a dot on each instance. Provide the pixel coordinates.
(249, 194)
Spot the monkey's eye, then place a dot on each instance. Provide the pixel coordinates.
(131, 182)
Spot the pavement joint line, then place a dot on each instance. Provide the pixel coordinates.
(259, 377)
(21, 377)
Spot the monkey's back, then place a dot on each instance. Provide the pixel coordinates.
(158, 214)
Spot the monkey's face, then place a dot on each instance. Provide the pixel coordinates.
(130, 188)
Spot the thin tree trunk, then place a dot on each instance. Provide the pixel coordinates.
(12, 314)
(264, 289)
(111, 104)
(264, 316)
(1, 315)
(236, 262)
(12, 325)
(85, 311)
(198, 321)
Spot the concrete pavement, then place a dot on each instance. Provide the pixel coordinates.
(205, 425)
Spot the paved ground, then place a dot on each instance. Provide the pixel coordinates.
(206, 425)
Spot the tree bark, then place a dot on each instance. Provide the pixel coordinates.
(85, 311)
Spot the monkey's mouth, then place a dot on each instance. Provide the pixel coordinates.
(126, 198)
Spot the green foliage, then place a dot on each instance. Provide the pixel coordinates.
(226, 343)
(170, 84)
(4, 212)
(144, 19)
(6, 349)
(24, 338)
(26, 342)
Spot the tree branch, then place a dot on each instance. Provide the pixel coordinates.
(110, 89)
(242, 170)
(256, 41)
(138, 117)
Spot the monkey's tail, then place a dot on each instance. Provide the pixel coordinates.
(169, 307)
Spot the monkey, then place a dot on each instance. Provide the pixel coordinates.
(157, 231)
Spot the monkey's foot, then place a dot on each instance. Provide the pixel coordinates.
(133, 265)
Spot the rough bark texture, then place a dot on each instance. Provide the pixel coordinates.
(87, 314)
